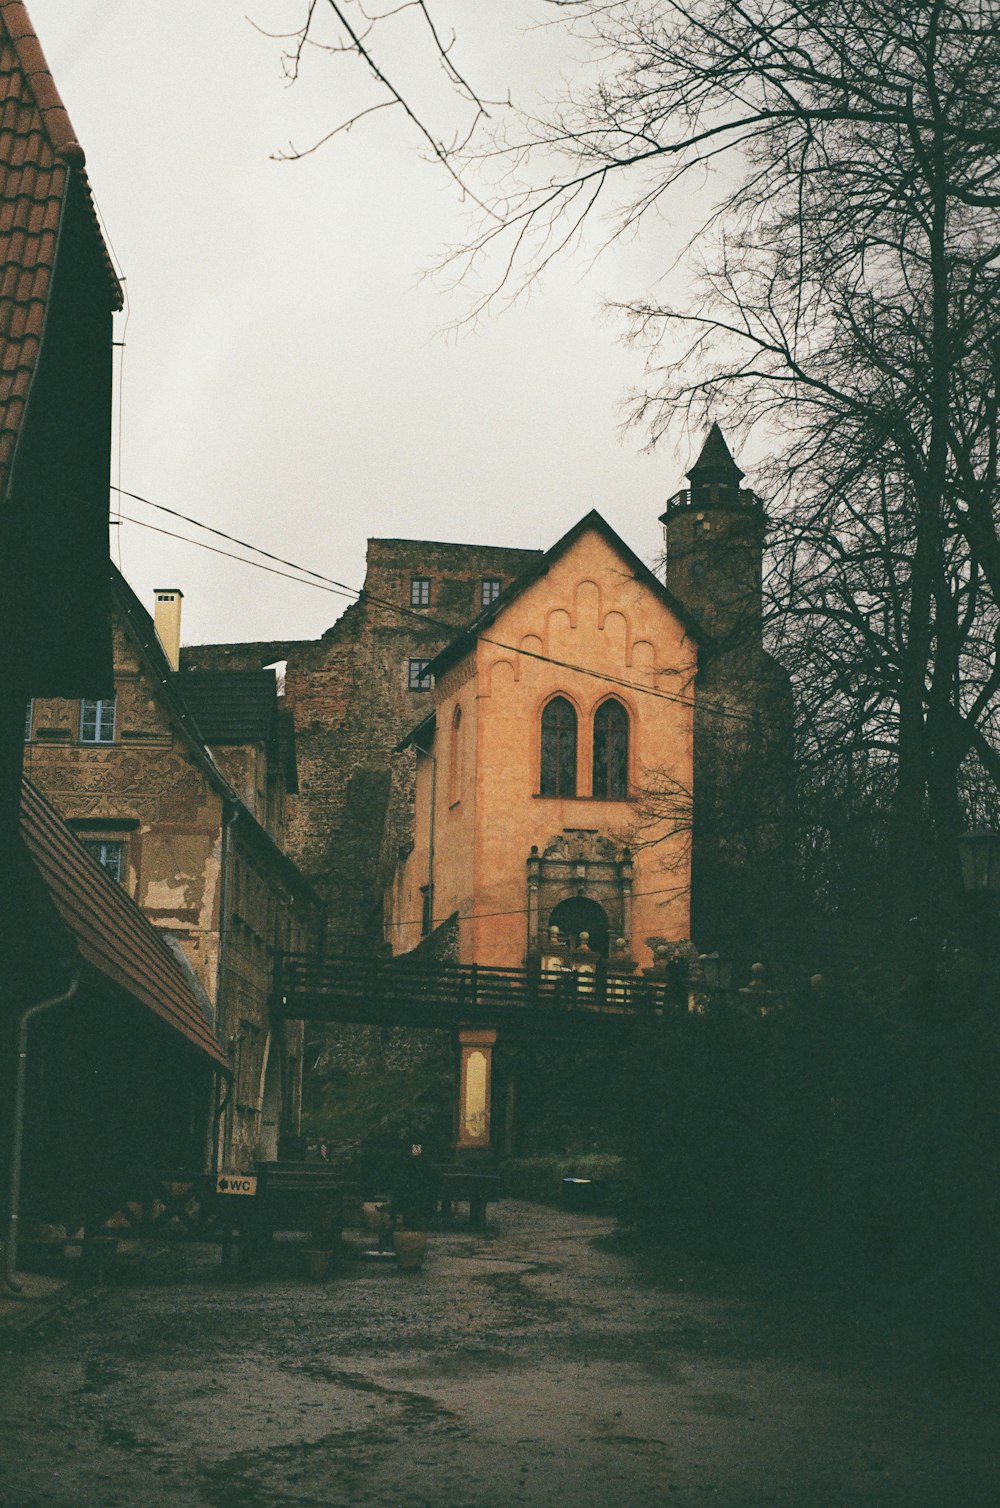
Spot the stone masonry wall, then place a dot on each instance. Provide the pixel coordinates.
(352, 704)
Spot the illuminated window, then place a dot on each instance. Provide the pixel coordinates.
(97, 721)
(420, 591)
(558, 768)
(611, 751)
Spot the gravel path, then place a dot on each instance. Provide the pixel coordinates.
(528, 1365)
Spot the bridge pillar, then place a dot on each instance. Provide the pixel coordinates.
(475, 1071)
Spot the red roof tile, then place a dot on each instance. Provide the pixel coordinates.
(111, 932)
(38, 151)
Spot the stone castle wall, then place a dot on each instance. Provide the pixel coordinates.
(352, 704)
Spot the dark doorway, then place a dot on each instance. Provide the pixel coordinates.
(580, 914)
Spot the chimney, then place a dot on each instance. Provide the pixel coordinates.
(167, 622)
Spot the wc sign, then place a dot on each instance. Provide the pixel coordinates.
(235, 1183)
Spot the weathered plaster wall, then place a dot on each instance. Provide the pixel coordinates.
(146, 790)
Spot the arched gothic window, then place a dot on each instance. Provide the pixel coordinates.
(558, 775)
(611, 751)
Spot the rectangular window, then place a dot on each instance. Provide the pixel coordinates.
(27, 720)
(491, 590)
(110, 856)
(420, 591)
(418, 678)
(97, 721)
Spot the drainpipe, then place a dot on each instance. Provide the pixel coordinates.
(17, 1135)
(430, 838)
(220, 977)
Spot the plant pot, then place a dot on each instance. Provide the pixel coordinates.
(318, 1263)
(410, 1246)
(375, 1215)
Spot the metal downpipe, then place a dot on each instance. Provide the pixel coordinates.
(17, 1131)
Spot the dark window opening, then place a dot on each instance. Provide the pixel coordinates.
(109, 855)
(611, 751)
(27, 721)
(418, 678)
(558, 768)
(420, 591)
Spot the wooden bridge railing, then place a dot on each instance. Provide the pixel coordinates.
(364, 989)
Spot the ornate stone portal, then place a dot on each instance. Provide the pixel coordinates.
(584, 867)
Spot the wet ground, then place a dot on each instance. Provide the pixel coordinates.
(529, 1365)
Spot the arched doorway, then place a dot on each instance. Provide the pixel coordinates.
(580, 914)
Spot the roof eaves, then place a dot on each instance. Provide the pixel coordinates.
(425, 730)
(55, 119)
(112, 933)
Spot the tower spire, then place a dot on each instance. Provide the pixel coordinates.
(715, 477)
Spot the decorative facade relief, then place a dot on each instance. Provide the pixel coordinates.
(595, 872)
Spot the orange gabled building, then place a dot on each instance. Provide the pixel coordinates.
(559, 713)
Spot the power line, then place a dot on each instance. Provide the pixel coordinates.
(340, 588)
(477, 916)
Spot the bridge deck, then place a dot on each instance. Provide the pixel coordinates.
(528, 1002)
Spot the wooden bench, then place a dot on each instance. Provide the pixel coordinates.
(475, 1189)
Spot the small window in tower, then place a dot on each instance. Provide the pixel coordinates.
(491, 590)
(418, 678)
(702, 525)
(420, 591)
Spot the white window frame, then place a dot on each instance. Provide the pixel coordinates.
(101, 850)
(103, 718)
(418, 681)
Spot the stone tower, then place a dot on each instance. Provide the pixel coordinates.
(714, 535)
(742, 800)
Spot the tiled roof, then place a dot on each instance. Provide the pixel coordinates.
(38, 153)
(241, 707)
(715, 457)
(111, 932)
(231, 706)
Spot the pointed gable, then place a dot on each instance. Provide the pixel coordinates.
(464, 642)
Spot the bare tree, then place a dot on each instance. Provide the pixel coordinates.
(846, 299)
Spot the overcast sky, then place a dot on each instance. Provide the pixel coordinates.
(285, 376)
